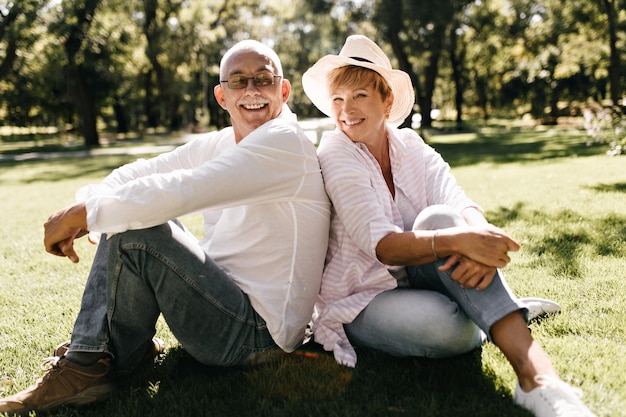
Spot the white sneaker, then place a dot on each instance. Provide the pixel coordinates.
(554, 398)
(539, 307)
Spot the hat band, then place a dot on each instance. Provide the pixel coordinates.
(358, 58)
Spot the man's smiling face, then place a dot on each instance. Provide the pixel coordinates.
(253, 105)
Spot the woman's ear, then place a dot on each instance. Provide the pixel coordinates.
(388, 104)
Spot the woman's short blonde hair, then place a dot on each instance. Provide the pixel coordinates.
(353, 76)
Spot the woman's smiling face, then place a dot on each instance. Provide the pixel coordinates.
(358, 106)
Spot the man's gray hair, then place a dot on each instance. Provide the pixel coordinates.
(251, 45)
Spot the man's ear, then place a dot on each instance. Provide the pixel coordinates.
(285, 90)
(218, 92)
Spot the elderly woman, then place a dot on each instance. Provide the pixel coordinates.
(412, 266)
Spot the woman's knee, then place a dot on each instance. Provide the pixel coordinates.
(452, 332)
(457, 335)
(415, 323)
(438, 216)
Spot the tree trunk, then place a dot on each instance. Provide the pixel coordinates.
(152, 31)
(403, 60)
(151, 113)
(77, 88)
(85, 104)
(426, 100)
(456, 62)
(614, 66)
(121, 117)
(10, 52)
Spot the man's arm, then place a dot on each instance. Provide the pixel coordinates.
(62, 228)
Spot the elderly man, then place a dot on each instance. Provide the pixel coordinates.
(246, 289)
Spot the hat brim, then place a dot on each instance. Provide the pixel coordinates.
(315, 85)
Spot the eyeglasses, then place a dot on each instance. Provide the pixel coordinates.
(238, 82)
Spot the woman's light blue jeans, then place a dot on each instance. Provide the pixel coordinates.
(434, 317)
(139, 274)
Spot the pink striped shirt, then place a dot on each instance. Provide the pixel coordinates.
(364, 211)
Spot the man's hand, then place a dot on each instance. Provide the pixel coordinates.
(62, 228)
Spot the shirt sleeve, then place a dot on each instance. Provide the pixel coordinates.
(426, 176)
(351, 180)
(182, 157)
(263, 166)
(444, 187)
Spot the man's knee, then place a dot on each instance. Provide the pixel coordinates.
(150, 234)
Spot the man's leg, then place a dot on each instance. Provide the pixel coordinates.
(164, 270)
(91, 330)
(150, 271)
(85, 373)
(89, 375)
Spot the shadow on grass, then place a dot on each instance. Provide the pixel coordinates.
(61, 169)
(456, 149)
(619, 187)
(515, 147)
(44, 148)
(566, 235)
(317, 386)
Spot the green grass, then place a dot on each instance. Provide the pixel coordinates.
(562, 200)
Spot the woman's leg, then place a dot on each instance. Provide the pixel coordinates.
(410, 322)
(513, 338)
(495, 309)
(500, 315)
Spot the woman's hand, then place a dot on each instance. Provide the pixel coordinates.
(485, 244)
(469, 273)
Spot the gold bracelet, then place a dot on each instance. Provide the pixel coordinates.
(432, 244)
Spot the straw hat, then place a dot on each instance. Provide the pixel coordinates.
(361, 51)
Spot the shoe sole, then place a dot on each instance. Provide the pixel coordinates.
(89, 396)
(539, 307)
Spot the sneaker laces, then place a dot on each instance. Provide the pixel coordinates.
(564, 399)
(50, 363)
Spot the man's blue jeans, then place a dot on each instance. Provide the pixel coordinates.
(434, 317)
(139, 274)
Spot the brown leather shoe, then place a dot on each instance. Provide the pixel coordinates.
(64, 383)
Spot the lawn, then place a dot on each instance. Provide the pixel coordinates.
(565, 202)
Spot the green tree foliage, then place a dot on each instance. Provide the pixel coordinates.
(15, 30)
(121, 66)
(542, 57)
(19, 30)
(417, 32)
(305, 30)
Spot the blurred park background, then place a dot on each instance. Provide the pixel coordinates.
(524, 98)
(94, 71)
